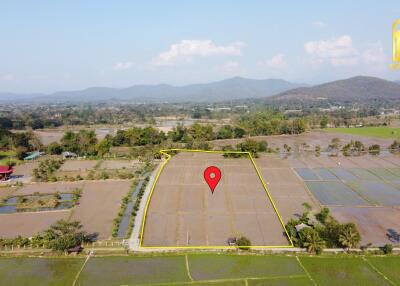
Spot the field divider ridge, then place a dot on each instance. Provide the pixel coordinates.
(378, 272)
(306, 271)
(270, 199)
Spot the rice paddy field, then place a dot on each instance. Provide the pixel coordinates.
(364, 190)
(202, 269)
(353, 186)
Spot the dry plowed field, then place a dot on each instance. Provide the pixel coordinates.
(184, 212)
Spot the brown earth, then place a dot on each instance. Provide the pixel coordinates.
(184, 212)
(98, 206)
(373, 222)
(287, 189)
(312, 138)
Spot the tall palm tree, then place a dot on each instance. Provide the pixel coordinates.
(349, 236)
(313, 242)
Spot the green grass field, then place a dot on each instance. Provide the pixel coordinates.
(134, 270)
(389, 266)
(39, 271)
(340, 270)
(208, 266)
(379, 132)
(203, 269)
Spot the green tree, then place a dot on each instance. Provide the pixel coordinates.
(64, 234)
(324, 121)
(243, 243)
(374, 149)
(387, 248)
(54, 148)
(103, 147)
(323, 215)
(238, 132)
(252, 146)
(349, 236)
(311, 240)
(225, 132)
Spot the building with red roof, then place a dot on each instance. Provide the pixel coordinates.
(5, 172)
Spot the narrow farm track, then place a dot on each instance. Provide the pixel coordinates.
(137, 227)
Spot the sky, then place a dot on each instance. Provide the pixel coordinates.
(46, 46)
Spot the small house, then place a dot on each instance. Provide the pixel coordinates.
(5, 172)
(301, 226)
(69, 155)
(33, 156)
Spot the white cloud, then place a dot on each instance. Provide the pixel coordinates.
(374, 54)
(122, 66)
(186, 50)
(229, 67)
(338, 52)
(318, 24)
(276, 62)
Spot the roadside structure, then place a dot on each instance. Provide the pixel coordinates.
(69, 155)
(5, 172)
(32, 156)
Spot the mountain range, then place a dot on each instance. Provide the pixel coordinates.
(229, 89)
(355, 89)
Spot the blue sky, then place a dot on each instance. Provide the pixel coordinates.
(65, 45)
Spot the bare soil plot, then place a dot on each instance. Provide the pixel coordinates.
(184, 212)
(99, 205)
(28, 224)
(25, 169)
(312, 138)
(373, 222)
(48, 137)
(79, 165)
(368, 161)
(287, 189)
(44, 188)
(119, 164)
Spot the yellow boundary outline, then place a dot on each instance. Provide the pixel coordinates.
(165, 152)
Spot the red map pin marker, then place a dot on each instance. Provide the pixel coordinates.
(212, 175)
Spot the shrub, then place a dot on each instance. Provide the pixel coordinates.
(387, 248)
(374, 149)
(243, 243)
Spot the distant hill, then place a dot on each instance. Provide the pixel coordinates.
(230, 89)
(355, 89)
